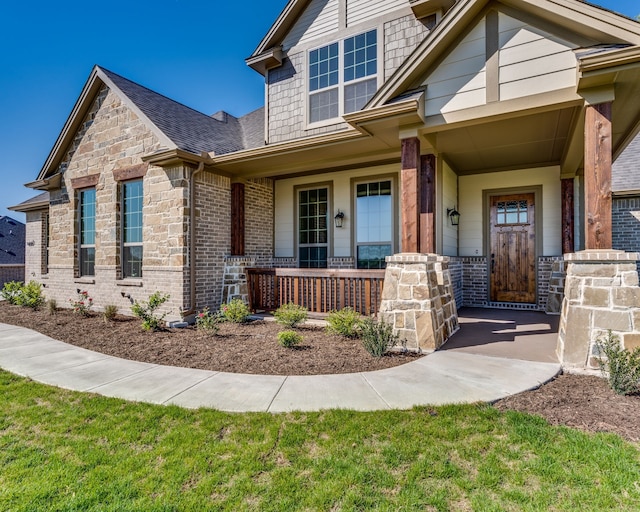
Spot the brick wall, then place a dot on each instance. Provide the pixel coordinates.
(34, 256)
(626, 224)
(10, 273)
(259, 221)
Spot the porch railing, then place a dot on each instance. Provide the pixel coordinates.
(319, 290)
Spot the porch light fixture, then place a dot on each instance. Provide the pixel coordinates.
(339, 219)
(454, 216)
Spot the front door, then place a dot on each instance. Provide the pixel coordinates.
(513, 248)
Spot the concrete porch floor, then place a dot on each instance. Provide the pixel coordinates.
(512, 334)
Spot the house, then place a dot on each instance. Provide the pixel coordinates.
(479, 131)
(625, 187)
(12, 249)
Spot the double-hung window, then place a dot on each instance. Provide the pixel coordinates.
(342, 76)
(132, 196)
(87, 221)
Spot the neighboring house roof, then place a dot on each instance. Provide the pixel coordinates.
(39, 202)
(625, 173)
(176, 125)
(11, 241)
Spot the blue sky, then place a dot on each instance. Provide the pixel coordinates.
(190, 50)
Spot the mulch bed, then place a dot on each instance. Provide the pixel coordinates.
(237, 348)
(583, 402)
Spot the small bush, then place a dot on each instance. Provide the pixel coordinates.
(52, 307)
(345, 322)
(377, 337)
(235, 311)
(207, 321)
(289, 339)
(290, 315)
(82, 304)
(31, 295)
(146, 311)
(110, 312)
(11, 291)
(621, 366)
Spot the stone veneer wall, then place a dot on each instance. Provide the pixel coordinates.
(626, 224)
(555, 294)
(35, 251)
(417, 299)
(601, 294)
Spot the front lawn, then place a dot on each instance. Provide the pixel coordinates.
(62, 450)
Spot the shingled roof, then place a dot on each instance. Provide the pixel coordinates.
(625, 174)
(187, 128)
(11, 241)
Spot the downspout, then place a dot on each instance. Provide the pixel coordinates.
(192, 239)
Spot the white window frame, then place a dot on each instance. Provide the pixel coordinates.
(340, 86)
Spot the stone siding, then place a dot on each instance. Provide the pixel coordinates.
(626, 224)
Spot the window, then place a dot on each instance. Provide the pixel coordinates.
(374, 223)
(132, 229)
(313, 208)
(512, 212)
(342, 76)
(87, 232)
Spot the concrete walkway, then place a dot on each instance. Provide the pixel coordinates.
(443, 377)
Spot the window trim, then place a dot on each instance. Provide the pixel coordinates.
(122, 243)
(340, 86)
(80, 260)
(296, 209)
(393, 177)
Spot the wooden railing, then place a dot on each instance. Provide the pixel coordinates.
(319, 290)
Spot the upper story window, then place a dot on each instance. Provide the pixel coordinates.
(132, 228)
(342, 76)
(87, 212)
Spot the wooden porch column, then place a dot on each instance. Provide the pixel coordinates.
(237, 219)
(428, 204)
(567, 216)
(597, 176)
(410, 194)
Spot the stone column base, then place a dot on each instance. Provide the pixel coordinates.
(417, 299)
(234, 282)
(601, 294)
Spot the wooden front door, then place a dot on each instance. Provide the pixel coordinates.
(513, 248)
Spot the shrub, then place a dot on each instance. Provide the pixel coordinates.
(290, 315)
(346, 322)
(289, 339)
(146, 311)
(377, 337)
(11, 291)
(207, 321)
(621, 366)
(52, 307)
(82, 304)
(110, 312)
(235, 311)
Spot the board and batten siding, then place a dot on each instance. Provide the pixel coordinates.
(473, 212)
(342, 198)
(449, 200)
(532, 61)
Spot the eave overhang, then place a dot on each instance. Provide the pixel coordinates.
(267, 60)
(53, 182)
(29, 206)
(176, 157)
(422, 8)
(411, 111)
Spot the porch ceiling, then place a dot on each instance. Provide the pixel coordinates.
(530, 141)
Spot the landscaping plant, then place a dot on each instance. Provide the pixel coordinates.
(345, 322)
(290, 315)
(235, 311)
(110, 312)
(146, 311)
(377, 337)
(207, 321)
(289, 339)
(11, 291)
(82, 304)
(52, 307)
(621, 366)
(19, 294)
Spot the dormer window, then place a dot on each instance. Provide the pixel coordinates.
(342, 76)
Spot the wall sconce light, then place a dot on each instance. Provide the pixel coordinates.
(125, 295)
(339, 219)
(454, 216)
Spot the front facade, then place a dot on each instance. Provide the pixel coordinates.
(481, 131)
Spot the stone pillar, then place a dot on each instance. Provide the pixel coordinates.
(601, 294)
(234, 282)
(418, 300)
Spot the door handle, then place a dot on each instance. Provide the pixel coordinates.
(493, 263)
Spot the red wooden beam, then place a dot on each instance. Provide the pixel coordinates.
(567, 216)
(428, 204)
(237, 219)
(410, 195)
(597, 175)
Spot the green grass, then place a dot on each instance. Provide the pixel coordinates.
(63, 451)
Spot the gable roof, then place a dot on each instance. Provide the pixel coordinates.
(176, 125)
(589, 21)
(39, 202)
(11, 241)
